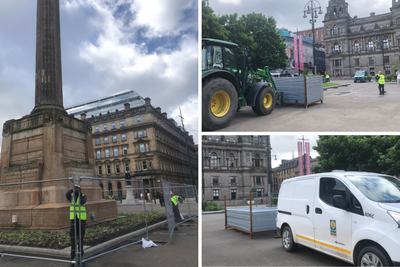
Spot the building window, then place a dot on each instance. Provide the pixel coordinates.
(133, 120)
(336, 48)
(97, 129)
(98, 141)
(126, 167)
(233, 180)
(144, 163)
(387, 70)
(142, 118)
(234, 140)
(260, 192)
(135, 134)
(123, 137)
(137, 149)
(257, 161)
(142, 148)
(99, 170)
(115, 152)
(386, 59)
(356, 61)
(385, 43)
(255, 139)
(216, 140)
(213, 161)
(147, 147)
(138, 119)
(371, 61)
(335, 29)
(98, 154)
(216, 194)
(150, 164)
(372, 71)
(231, 160)
(145, 133)
(356, 46)
(117, 168)
(113, 125)
(370, 45)
(138, 165)
(105, 140)
(140, 134)
(107, 153)
(125, 149)
(114, 138)
(215, 180)
(122, 123)
(258, 180)
(233, 193)
(105, 127)
(108, 169)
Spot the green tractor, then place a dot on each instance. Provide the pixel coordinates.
(229, 85)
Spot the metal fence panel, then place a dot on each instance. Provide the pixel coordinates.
(27, 207)
(315, 90)
(292, 89)
(168, 207)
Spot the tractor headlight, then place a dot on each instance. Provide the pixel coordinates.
(395, 216)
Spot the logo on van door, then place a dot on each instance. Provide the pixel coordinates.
(333, 227)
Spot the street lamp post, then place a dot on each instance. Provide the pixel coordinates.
(311, 8)
(380, 41)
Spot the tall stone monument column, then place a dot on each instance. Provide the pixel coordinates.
(47, 144)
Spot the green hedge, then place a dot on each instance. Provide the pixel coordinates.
(274, 200)
(211, 206)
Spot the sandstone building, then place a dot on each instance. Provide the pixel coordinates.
(287, 169)
(233, 165)
(130, 135)
(352, 43)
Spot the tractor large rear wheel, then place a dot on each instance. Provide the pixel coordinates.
(219, 103)
(265, 101)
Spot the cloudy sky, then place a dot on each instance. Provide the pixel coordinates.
(107, 47)
(289, 13)
(283, 146)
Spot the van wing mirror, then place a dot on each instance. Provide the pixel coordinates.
(339, 202)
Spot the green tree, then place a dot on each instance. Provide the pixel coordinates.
(375, 153)
(252, 30)
(210, 24)
(396, 65)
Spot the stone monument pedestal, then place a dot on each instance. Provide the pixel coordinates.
(130, 198)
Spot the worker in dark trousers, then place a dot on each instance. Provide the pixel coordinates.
(161, 198)
(175, 202)
(381, 81)
(76, 197)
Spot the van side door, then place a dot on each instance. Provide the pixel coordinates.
(333, 225)
(302, 211)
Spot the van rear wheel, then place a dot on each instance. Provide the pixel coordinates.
(287, 240)
(373, 256)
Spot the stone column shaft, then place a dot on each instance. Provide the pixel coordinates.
(48, 77)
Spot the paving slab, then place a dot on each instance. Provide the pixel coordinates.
(355, 108)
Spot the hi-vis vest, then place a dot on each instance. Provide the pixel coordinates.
(175, 200)
(381, 79)
(76, 206)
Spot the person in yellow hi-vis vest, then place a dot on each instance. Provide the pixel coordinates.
(76, 197)
(175, 199)
(381, 82)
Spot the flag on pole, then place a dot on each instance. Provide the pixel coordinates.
(300, 153)
(296, 59)
(301, 52)
(308, 163)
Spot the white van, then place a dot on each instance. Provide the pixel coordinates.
(353, 216)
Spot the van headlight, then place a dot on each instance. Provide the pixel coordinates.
(395, 216)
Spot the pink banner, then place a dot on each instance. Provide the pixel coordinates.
(308, 163)
(296, 60)
(300, 153)
(301, 52)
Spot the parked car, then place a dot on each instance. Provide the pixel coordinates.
(353, 216)
(362, 76)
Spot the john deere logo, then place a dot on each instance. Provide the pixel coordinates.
(333, 227)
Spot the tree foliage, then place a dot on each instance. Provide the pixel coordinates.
(252, 30)
(373, 153)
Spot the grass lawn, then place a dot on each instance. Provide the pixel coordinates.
(95, 234)
(329, 84)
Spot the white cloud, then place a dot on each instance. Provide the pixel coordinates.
(190, 115)
(233, 2)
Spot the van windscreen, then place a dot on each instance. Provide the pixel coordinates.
(378, 188)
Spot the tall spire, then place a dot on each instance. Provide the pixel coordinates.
(48, 78)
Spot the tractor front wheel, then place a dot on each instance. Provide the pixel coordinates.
(219, 103)
(265, 101)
